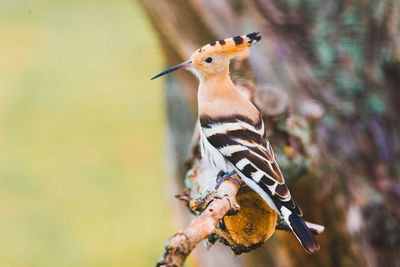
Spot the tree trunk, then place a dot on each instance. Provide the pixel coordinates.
(337, 63)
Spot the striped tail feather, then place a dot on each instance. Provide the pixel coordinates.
(300, 230)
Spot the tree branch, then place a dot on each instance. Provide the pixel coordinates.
(179, 246)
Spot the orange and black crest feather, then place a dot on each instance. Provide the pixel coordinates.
(231, 45)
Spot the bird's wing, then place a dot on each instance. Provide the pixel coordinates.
(244, 144)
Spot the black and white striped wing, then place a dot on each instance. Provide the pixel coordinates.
(244, 144)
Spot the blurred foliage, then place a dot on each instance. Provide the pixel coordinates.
(81, 179)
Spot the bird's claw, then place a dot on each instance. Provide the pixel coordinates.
(222, 176)
(232, 200)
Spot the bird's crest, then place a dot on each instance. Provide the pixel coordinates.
(231, 45)
(227, 46)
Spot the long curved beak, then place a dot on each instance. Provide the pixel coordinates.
(182, 65)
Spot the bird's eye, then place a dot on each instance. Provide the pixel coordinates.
(208, 60)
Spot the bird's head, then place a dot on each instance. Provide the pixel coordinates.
(214, 58)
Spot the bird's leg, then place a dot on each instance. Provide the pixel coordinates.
(222, 176)
(200, 204)
(218, 194)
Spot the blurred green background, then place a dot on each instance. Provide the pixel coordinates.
(81, 135)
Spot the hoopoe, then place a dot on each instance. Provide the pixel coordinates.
(232, 136)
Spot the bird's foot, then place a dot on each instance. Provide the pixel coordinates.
(200, 204)
(222, 176)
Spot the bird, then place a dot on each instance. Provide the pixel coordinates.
(232, 133)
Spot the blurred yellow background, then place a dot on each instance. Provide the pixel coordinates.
(81, 135)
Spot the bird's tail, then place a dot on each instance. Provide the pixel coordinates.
(301, 231)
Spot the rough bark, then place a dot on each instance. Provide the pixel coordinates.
(326, 75)
(179, 246)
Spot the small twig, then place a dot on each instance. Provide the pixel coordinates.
(179, 246)
(184, 196)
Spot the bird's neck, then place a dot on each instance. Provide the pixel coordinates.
(215, 86)
(218, 97)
